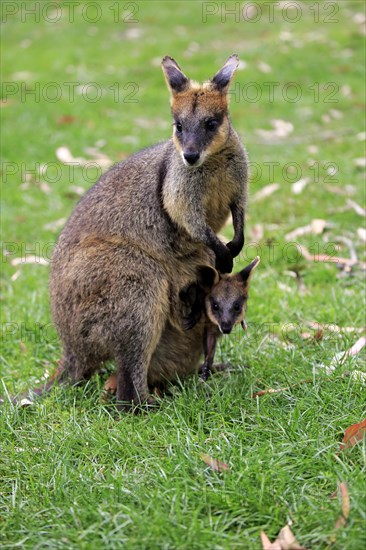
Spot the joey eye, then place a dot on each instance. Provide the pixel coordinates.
(215, 306)
(179, 127)
(237, 308)
(211, 124)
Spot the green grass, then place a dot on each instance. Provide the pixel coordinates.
(73, 475)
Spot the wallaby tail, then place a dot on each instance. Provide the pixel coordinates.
(26, 398)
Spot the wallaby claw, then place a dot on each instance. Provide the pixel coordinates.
(204, 372)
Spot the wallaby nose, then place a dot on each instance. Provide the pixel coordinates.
(226, 327)
(191, 158)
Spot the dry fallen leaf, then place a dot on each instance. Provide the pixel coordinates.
(23, 347)
(109, 388)
(265, 192)
(357, 208)
(299, 186)
(213, 463)
(342, 191)
(341, 357)
(343, 262)
(353, 434)
(64, 155)
(358, 376)
(361, 233)
(53, 226)
(264, 67)
(15, 276)
(360, 162)
(284, 541)
(77, 189)
(31, 259)
(345, 510)
(66, 119)
(316, 227)
(25, 403)
(111, 384)
(279, 390)
(281, 129)
(332, 327)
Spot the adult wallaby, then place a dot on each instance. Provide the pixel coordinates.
(140, 233)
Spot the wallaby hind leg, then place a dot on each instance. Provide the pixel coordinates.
(138, 341)
(132, 386)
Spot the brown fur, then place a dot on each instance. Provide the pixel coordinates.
(137, 237)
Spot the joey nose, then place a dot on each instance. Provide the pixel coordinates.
(226, 327)
(191, 158)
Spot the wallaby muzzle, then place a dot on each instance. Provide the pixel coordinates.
(191, 158)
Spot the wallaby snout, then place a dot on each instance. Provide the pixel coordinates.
(191, 158)
(226, 326)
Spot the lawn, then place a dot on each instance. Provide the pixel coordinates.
(84, 82)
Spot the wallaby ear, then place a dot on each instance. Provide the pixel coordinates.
(175, 79)
(207, 277)
(245, 274)
(222, 79)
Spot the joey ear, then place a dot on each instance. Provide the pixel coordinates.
(207, 277)
(222, 79)
(245, 274)
(175, 79)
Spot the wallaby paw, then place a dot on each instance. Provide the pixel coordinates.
(235, 248)
(204, 372)
(190, 322)
(224, 261)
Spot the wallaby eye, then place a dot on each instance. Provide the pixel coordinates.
(211, 124)
(215, 306)
(179, 127)
(237, 307)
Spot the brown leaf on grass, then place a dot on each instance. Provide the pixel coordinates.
(25, 403)
(214, 463)
(353, 434)
(360, 162)
(342, 356)
(23, 347)
(332, 327)
(299, 186)
(357, 208)
(279, 390)
(109, 389)
(270, 390)
(342, 191)
(265, 192)
(284, 541)
(31, 259)
(15, 276)
(55, 225)
(66, 119)
(345, 509)
(342, 262)
(316, 227)
(361, 233)
(6, 102)
(111, 384)
(281, 129)
(64, 155)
